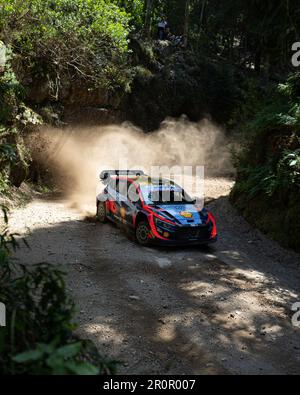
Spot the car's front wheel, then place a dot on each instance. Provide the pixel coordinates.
(101, 212)
(142, 233)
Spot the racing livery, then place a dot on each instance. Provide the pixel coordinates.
(156, 210)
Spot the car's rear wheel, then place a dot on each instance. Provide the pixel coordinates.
(101, 212)
(142, 233)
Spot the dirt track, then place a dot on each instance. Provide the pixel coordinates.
(223, 309)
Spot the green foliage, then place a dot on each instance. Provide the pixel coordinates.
(8, 152)
(15, 117)
(4, 183)
(79, 38)
(135, 10)
(274, 135)
(142, 74)
(270, 179)
(55, 18)
(280, 113)
(48, 358)
(11, 92)
(269, 164)
(7, 240)
(291, 88)
(38, 338)
(288, 168)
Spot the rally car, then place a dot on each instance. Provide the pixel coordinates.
(155, 210)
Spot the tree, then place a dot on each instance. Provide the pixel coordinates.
(186, 22)
(148, 8)
(202, 15)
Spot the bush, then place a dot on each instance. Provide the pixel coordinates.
(38, 338)
(267, 189)
(15, 118)
(65, 39)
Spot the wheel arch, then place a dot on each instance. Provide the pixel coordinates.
(98, 201)
(141, 217)
(101, 197)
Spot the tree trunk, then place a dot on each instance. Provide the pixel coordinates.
(148, 7)
(257, 60)
(202, 16)
(186, 23)
(258, 54)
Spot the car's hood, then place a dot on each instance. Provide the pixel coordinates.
(185, 214)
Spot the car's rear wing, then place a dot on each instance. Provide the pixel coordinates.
(106, 174)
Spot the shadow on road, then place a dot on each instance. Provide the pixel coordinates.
(221, 309)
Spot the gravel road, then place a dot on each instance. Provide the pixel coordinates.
(221, 309)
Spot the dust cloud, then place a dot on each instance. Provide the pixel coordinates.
(76, 156)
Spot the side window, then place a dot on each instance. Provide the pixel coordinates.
(112, 183)
(133, 194)
(122, 189)
(112, 188)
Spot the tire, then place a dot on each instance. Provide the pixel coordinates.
(101, 212)
(141, 233)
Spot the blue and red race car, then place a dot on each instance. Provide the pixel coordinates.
(156, 210)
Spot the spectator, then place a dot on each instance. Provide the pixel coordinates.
(162, 25)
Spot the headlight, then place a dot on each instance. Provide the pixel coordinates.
(164, 225)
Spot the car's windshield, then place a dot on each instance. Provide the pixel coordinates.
(164, 194)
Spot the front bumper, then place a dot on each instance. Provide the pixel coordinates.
(187, 235)
(172, 242)
(166, 233)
